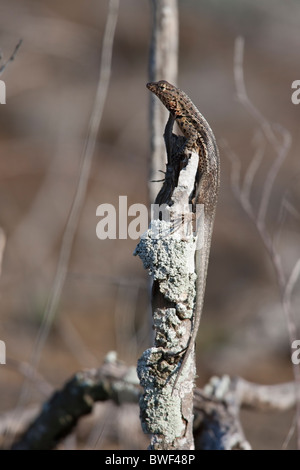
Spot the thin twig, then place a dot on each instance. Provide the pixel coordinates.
(86, 161)
(12, 57)
(254, 165)
(282, 152)
(24, 368)
(291, 209)
(75, 343)
(291, 282)
(73, 219)
(289, 434)
(242, 95)
(281, 148)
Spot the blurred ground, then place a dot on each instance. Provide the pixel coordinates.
(50, 92)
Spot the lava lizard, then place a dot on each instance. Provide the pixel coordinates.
(199, 139)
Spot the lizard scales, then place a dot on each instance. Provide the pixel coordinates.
(200, 139)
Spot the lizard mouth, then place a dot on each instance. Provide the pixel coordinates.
(150, 86)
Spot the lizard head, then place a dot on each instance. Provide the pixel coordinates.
(164, 91)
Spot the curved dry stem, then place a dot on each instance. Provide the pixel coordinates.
(80, 192)
(86, 161)
(281, 148)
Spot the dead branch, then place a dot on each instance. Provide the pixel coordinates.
(216, 407)
(163, 63)
(61, 413)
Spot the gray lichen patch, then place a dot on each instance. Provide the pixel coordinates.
(162, 415)
(181, 308)
(160, 411)
(154, 368)
(166, 323)
(170, 329)
(169, 259)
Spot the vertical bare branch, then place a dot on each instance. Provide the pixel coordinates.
(163, 64)
(169, 257)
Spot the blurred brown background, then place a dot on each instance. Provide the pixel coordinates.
(50, 92)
